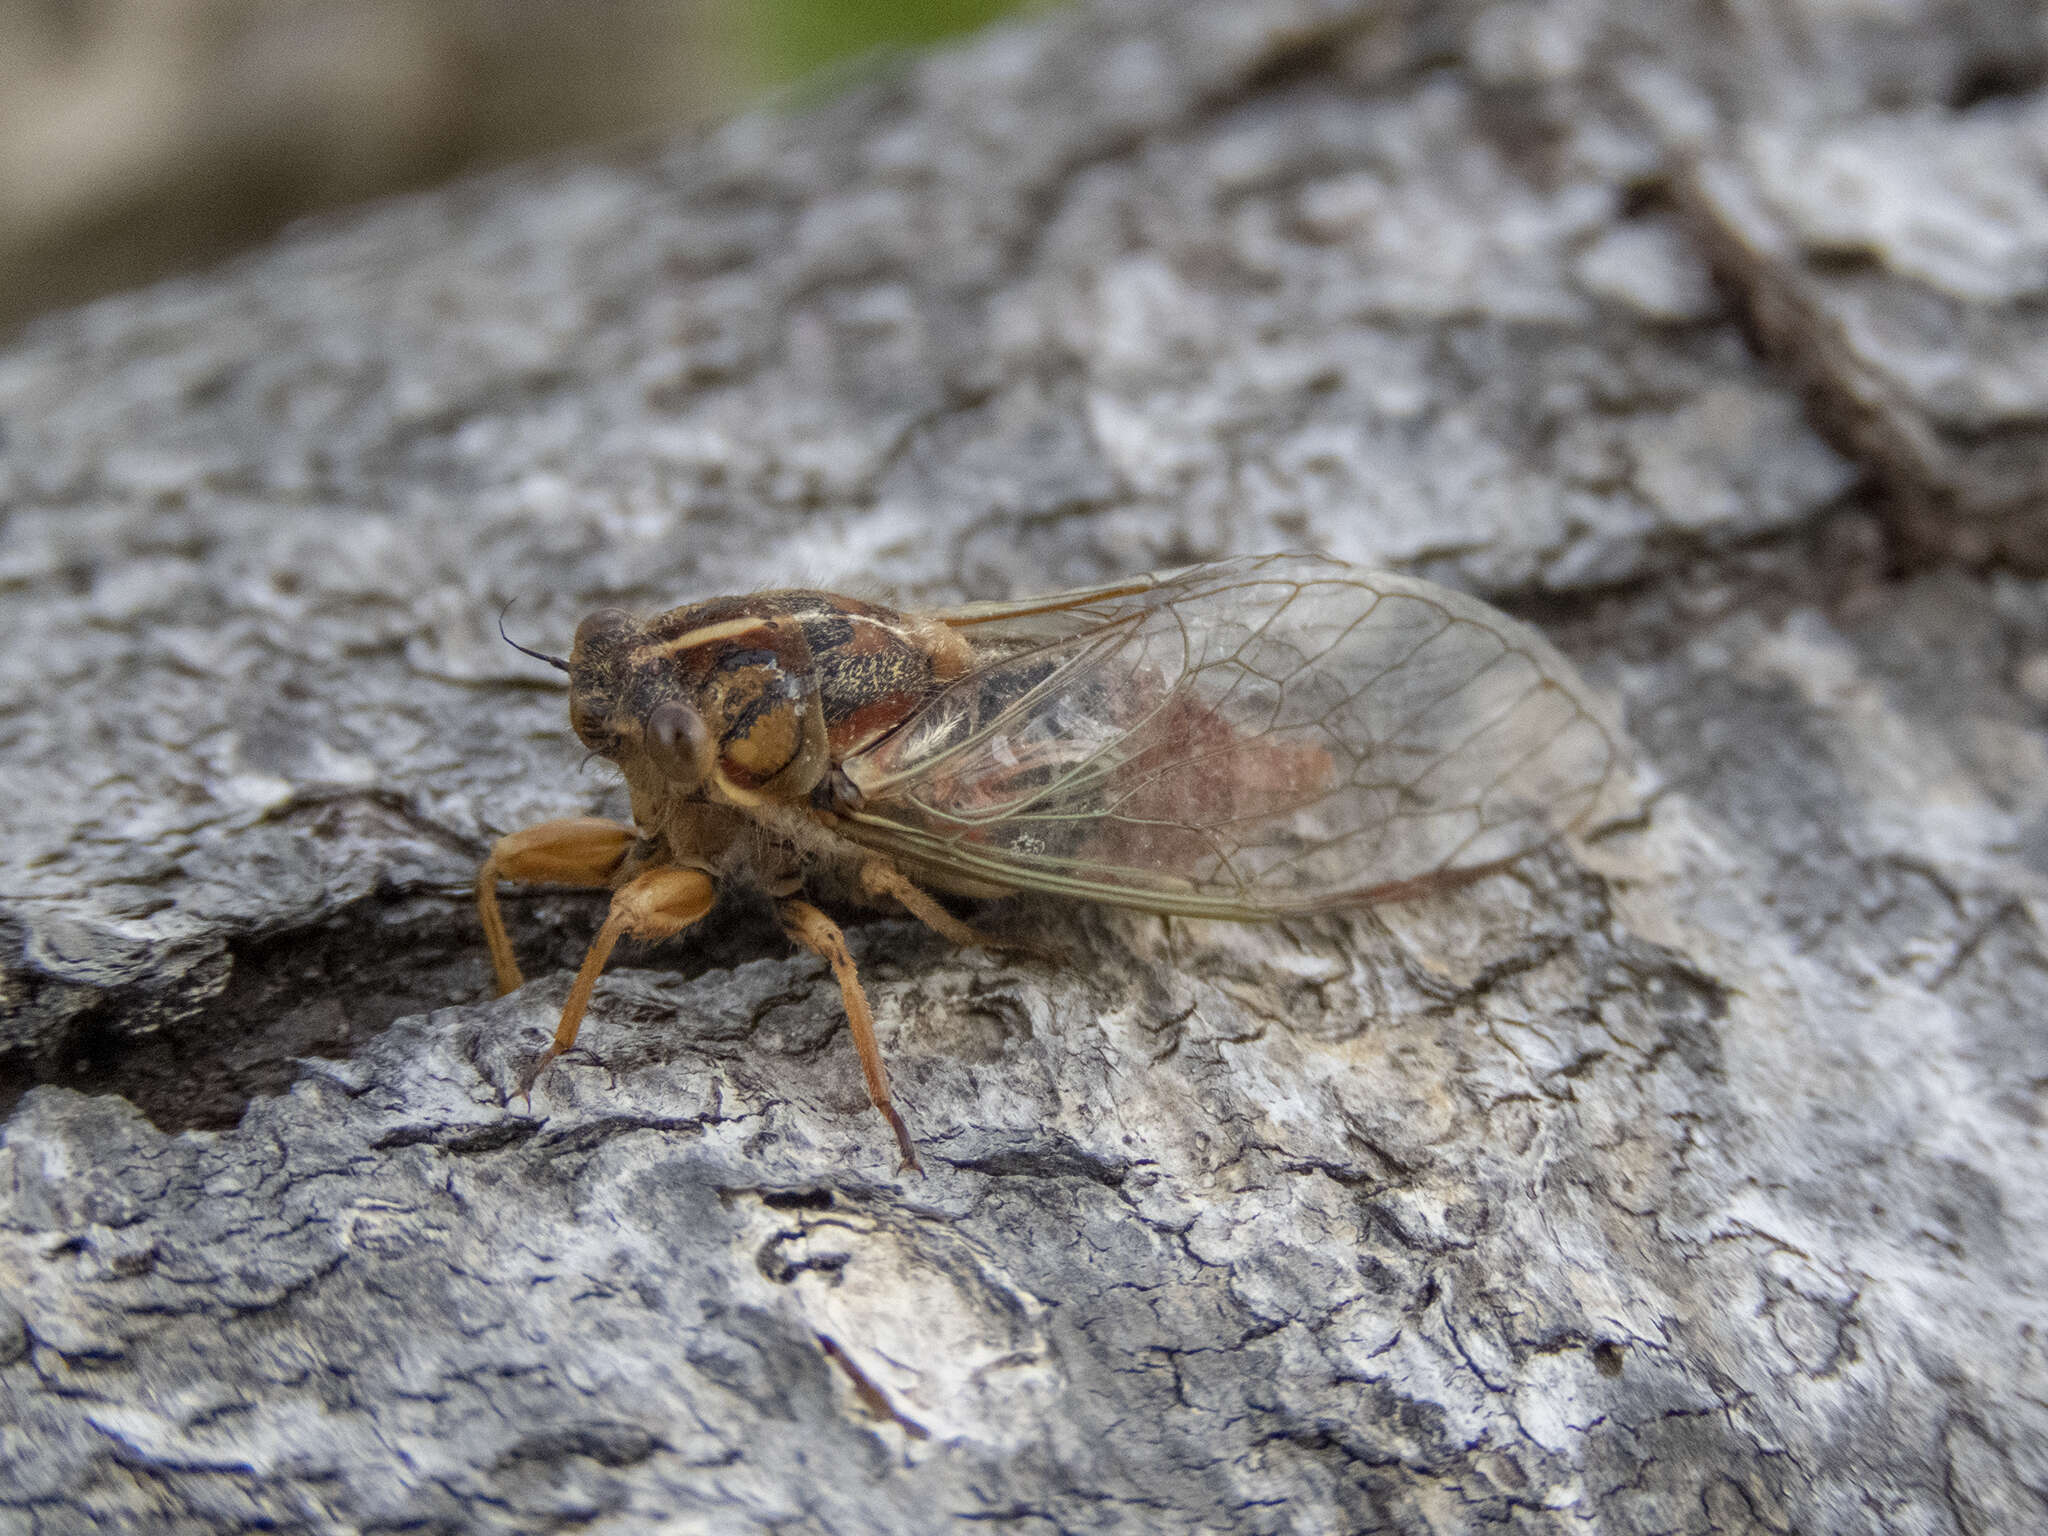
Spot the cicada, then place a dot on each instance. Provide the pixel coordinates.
(1248, 739)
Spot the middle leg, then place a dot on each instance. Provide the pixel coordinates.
(807, 926)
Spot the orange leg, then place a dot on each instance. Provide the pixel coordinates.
(880, 879)
(577, 850)
(652, 905)
(807, 926)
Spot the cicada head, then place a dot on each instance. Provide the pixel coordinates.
(725, 705)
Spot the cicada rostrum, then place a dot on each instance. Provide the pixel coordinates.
(1248, 739)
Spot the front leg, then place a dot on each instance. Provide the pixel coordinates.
(577, 850)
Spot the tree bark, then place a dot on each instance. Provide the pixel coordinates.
(1685, 1179)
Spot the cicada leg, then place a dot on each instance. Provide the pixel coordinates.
(655, 904)
(807, 926)
(880, 879)
(577, 850)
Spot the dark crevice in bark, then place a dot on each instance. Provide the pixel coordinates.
(327, 991)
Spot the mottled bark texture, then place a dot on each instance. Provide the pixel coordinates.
(1689, 1179)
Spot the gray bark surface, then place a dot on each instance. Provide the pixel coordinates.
(1686, 1179)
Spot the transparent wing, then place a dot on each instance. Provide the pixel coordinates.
(1244, 739)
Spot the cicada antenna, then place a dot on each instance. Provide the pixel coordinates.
(554, 661)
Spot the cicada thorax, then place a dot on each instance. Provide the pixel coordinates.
(753, 699)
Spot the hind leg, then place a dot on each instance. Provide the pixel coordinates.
(878, 878)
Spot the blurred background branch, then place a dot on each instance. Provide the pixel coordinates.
(143, 137)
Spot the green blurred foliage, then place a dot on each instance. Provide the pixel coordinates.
(786, 40)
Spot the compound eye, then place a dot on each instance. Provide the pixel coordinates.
(590, 726)
(680, 741)
(604, 630)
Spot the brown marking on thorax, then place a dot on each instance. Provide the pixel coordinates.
(871, 665)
